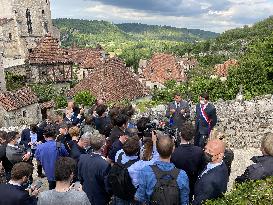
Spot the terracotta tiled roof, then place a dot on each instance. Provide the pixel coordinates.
(221, 70)
(112, 81)
(49, 52)
(87, 57)
(47, 105)
(19, 99)
(4, 21)
(163, 67)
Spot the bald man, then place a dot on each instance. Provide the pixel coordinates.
(212, 182)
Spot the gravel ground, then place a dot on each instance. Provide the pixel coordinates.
(240, 163)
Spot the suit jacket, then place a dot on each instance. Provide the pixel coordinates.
(178, 117)
(93, 171)
(15, 154)
(15, 195)
(201, 126)
(25, 137)
(190, 159)
(262, 168)
(211, 185)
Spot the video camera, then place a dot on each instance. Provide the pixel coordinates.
(165, 128)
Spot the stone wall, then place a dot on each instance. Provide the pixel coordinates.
(24, 116)
(18, 41)
(244, 122)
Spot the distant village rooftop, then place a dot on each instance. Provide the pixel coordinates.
(163, 67)
(87, 58)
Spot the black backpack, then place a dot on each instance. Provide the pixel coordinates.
(120, 181)
(166, 190)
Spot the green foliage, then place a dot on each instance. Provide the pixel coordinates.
(144, 105)
(84, 98)
(169, 33)
(44, 92)
(254, 73)
(171, 88)
(60, 101)
(249, 193)
(47, 92)
(132, 42)
(14, 81)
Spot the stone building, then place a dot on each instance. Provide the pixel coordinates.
(22, 24)
(87, 60)
(113, 82)
(19, 108)
(2, 75)
(49, 63)
(221, 70)
(188, 63)
(161, 68)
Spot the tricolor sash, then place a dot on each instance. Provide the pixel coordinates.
(205, 118)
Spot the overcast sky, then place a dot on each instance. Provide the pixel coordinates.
(212, 15)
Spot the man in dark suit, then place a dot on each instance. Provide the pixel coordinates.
(188, 157)
(93, 170)
(206, 119)
(30, 138)
(212, 182)
(13, 192)
(178, 111)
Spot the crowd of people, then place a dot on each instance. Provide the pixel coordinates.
(101, 156)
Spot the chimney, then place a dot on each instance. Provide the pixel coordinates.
(2, 74)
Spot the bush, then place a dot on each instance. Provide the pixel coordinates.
(60, 101)
(44, 92)
(14, 81)
(84, 98)
(249, 193)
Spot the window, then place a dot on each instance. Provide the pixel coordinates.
(43, 11)
(30, 50)
(29, 23)
(24, 113)
(45, 27)
(10, 36)
(155, 87)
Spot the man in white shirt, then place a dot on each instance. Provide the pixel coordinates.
(212, 182)
(178, 111)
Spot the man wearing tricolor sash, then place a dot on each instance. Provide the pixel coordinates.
(206, 119)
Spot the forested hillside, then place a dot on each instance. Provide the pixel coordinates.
(105, 31)
(165, 32)
(132, 41)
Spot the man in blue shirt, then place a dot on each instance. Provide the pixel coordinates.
(147, 178)
(48, 152)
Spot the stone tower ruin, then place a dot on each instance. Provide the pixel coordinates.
(22, 24)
